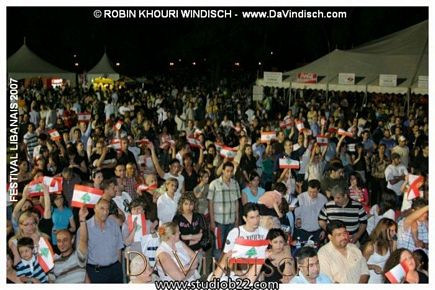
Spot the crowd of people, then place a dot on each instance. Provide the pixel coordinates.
(324, 189)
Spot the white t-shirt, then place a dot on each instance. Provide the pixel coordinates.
(180, 179)
(167, 207)
(259, 234)
(393, 171)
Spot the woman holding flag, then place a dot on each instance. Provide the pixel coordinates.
(400, 268)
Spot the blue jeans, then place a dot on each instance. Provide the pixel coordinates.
(225, 229)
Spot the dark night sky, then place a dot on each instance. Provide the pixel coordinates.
(146, 45)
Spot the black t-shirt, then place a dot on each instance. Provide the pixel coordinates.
(190, 181)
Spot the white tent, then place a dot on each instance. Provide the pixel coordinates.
(24, 64)
(103, 69)
(403, 53)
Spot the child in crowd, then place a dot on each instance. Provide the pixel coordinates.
(28, 269)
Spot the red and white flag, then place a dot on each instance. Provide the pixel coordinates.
(218, 238)
(35, 189)
(45, 255)
(84, 117)
(342, 132)
(138, 224)
(115, 144)
(398, 273)
(54, 135)
(228, 152)
(85, 195)
(144, 187)
(143, 141)
(267, 136)
(118, 125)
(194, 142)
(167, 143)
(54, 183)
(197, 133)
(218, 146)
(249, 251)
(300, 125)
(288, 163)
(414, 184)
(322, 140)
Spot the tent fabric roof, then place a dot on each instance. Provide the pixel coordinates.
(403, 53)
(104, 66)
(26, 61)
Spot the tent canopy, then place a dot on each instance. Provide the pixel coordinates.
(24, 63)
(403, 53)
(103, 68)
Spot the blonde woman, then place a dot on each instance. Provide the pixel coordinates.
(28, 228)
(175, 260)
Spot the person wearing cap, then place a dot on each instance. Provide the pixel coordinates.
(309, 268)
(403, 150)
(340, 260)
(395, 175)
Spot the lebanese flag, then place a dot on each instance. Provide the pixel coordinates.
(115, 144)
(219, 146)
(194, 142)
(197, 133)
(322, 140)
(144, 187)
(85, 195)
(249, 251)
(84, 117)
(342, 132)
(143, 141)
(398, 273)
(267, 136)
(54, 135)
(288, 163)
(141, 226)
(228, 152)
(414, 184)
(35, 188)
(54, 183)
(218, 238)
(45, 255)
(300, 125)
(118, 125)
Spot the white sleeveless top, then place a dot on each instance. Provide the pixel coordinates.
(182, 255)
(379, 260)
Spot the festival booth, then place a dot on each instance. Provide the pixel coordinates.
(25, 65)
(102, 75)
(394, 64)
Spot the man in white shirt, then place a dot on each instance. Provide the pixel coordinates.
(250, 231)
(340, 260)
(308, 207)
(395, 175)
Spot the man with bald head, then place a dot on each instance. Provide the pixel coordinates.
(104, 246)
(70, 265)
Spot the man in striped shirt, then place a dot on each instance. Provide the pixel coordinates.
(346, 210)
(70, 265)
